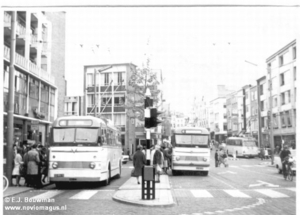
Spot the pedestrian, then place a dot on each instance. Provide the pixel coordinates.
(168, 155)
(139, 160)
(44, 169)
(164, 150)
(262, 153)
(216, 158)
(32, 161)
(284, 155)
(158, 162)
(18, 162)
(266, 153)
(24, 170)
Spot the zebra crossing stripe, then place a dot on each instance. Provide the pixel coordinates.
(201, 194)
(246, 166)
(48, 194)
(85, 194)
(271, 193)
(237, 194)
(292, 189)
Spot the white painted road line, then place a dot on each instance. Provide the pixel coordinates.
(234, 166)
(48, 194)
(85, 194)
(201, 194)
(292, 189)
(246, 166)
(237, 194)
(271, 193)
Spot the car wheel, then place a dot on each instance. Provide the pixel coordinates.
(174, 172)
(107, 181)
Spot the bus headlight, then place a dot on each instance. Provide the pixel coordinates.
(55, 165)
(177, 158)
(92, 165)
(204, 159)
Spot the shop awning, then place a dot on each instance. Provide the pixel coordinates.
(29, 118)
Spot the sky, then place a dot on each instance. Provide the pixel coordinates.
(195, 48)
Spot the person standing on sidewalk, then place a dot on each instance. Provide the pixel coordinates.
(139, 160)
(32, 161)
(158, 162)
(217, 158)
(284, 159)
(18, 162)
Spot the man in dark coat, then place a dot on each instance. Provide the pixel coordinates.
(283, 156)
(139, 160)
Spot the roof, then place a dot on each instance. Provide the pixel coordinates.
(281, 50)
(113, 64)
(204, 130)
(96, 121)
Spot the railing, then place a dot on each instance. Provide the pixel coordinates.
(23, 62)
(21, 30)
(33, 39)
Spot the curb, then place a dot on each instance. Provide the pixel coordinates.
(24, 191)
(128, 202)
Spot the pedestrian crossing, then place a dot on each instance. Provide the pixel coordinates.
(178, 193)
(255, 193)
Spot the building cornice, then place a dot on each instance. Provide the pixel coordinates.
(281, 51)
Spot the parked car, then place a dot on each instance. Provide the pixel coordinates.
(125, 158)
(278, 164)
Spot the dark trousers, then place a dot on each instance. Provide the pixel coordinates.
(284, 169)
(217, 162)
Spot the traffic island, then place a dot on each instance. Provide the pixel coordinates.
(131, 193)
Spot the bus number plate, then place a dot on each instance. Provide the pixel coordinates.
(58, 175)
(199, 167)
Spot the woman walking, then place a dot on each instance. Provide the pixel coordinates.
(17, 164)
(139, 160)
(158, 159)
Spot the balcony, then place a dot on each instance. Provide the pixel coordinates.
(29, 66)
(7, 19)
(20, 29)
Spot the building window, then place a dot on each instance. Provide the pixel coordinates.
(120, 79)
(288, 118)
(294, 53)
(224, 127)
(106, 101)
(283, 125)
(262, 105)
(261, 89)
(52, 103)
(119, 100)
(33, 94)
(90, 100)
(295, 71)
(20, 104)
(282, 98)
(282, 79)
(275, 121)
(281, 62)
(106, 79)
(45, 100)
(89, 80)
(263, 122)
(288, 97)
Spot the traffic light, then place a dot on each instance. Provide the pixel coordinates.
(152, 121)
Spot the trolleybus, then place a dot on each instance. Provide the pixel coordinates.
(242, 146)
(191, 149)
(84, 149)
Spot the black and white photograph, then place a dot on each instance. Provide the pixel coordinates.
(149, 107)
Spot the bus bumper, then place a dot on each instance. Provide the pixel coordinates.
(190, 167)
(76, 175)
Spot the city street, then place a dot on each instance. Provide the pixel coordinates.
(247, 186)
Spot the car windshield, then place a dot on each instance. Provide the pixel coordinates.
(77, 136)
(191, 141)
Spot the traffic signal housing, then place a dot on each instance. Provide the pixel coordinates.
(152, 121)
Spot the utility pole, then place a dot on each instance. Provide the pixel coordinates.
(11, 95)
(271, 117)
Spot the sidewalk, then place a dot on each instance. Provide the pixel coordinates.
(13, 190)
(130, 193)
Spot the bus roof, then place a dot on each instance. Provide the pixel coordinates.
(191, 129)
(95, 122)
(239, 138)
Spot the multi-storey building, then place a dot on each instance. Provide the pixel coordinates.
(105, 97)
(178, 120)
(236, 111)
(252, 121)
(281, 78)
(218, 122)
(73, 106)
(35, 83)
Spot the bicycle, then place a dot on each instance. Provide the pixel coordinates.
(289, 171)
(5, 183)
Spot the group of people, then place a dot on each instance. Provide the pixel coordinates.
(221, 156)
(31, 163)
(264, 153)
(161, 158)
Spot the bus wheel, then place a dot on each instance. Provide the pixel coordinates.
(107, 181)
(174, 172)
(120, 171)
(205, 173)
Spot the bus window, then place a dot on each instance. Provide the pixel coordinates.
(249, 143)
(64, 135)
(191, 140)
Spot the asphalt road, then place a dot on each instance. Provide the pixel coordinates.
(247, 186)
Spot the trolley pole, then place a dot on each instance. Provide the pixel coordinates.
(11, 95)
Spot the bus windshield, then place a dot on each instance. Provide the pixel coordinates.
(191, 140)
(250, 143)
(77, 136)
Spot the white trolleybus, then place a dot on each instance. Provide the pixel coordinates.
(191, 149)
(84, 149)
(241, 146)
